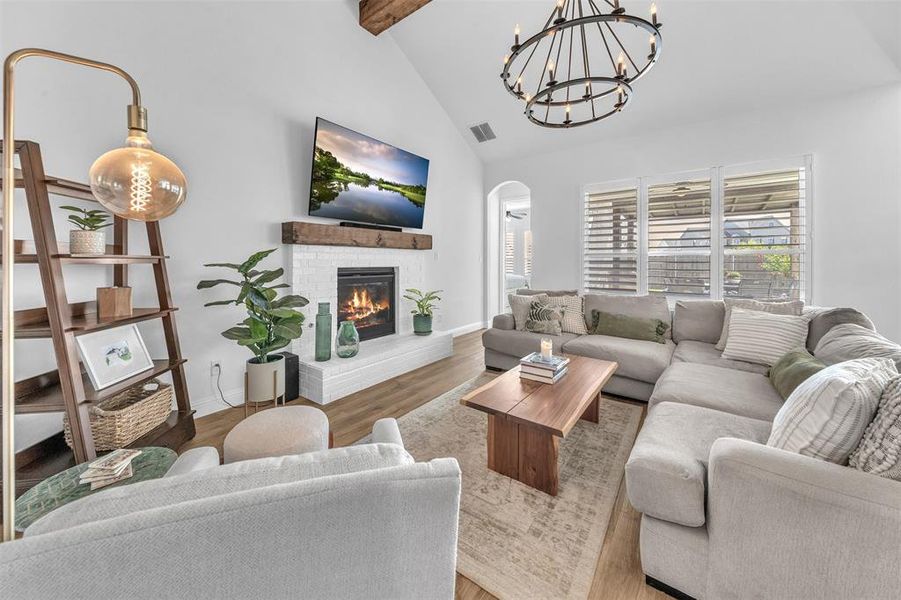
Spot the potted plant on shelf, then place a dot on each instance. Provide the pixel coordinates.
(88, 239)
(271, 323)
(425, 305)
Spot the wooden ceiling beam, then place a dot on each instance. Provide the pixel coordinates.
(378, 15)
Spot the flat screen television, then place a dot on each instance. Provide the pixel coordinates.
(360, 179)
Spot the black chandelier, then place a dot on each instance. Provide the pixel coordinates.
(568, 92)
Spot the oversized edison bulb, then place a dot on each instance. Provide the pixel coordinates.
(137, 183)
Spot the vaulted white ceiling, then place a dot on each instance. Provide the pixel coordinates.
(720, 58)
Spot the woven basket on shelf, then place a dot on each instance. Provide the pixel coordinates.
(118, 421)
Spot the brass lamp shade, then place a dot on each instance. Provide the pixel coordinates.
(137, 183)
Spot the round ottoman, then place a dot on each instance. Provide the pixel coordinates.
(278, 431)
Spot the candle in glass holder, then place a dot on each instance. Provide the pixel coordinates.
(547, 348)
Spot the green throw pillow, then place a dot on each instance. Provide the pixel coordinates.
(792, 369)
(544, 319)
(624, 326)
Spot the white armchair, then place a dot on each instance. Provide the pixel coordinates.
(364, 521)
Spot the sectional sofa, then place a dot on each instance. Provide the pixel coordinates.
(724, 515)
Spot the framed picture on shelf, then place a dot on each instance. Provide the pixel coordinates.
(112, 355)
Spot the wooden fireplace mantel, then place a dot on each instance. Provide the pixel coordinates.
(319, 234)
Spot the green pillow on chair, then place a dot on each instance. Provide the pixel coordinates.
(792, 369)
(624, 326)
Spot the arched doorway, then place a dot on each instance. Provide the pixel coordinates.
(509, 243)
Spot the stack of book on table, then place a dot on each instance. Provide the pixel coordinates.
(546, 370)
(110, 469)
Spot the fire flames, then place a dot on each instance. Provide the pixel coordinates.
(361, 305)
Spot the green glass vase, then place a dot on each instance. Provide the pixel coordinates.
(323, 333)
(347, 342)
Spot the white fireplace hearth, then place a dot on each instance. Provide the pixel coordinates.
(315, 276)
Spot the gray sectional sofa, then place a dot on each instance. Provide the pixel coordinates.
(724, 515)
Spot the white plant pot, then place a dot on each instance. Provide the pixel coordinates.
(265, 381)
(90, 243)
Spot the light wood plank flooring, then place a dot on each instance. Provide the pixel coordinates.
(618, 575)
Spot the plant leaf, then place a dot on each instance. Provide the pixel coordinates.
(257, 298)
(257, 328)
(226, 265)
(268, 276)
(254, 260)
(219, 303)
(290, 301)
(284, 313)
(237, 333)
(289, 329)
(208, 283)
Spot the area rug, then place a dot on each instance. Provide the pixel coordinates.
(515, 541)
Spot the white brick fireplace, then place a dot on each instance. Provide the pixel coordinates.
(314, 275)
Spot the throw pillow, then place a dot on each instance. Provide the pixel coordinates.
(573, 317)
(544, 319)
(763, 338)
(879, 451)
(550, 293)
(824, 319)
(625, 326)
(519, 306)
(646, 307)
(793, 307)
(793, 369)
(849, 341)
(826, 416)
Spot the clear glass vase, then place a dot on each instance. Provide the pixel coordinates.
(347, 342)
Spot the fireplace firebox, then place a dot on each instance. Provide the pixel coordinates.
(367, 297)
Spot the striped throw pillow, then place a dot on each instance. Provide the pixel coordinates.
(573, 315)
(849, 341)
(763, 338)
(827, 415)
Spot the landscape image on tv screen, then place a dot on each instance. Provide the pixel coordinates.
(358, 178)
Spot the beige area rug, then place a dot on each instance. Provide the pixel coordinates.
(515, 541)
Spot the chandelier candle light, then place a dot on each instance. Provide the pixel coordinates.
(584, 60)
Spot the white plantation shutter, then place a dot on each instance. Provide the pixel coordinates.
(765, 235)
(610, 241)
(679, 238)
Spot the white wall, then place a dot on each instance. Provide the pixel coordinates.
(233, 90)
(857, 186)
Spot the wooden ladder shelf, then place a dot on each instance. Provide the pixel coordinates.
(68, 389)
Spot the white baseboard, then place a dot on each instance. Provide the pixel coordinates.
(464, 329)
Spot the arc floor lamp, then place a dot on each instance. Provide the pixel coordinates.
(133, 182)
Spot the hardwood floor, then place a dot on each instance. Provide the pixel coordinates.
(618, 574)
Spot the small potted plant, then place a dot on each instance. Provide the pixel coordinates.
(425, 305)
(271, 323)
(88, 239)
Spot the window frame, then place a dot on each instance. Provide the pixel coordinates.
(717, 176)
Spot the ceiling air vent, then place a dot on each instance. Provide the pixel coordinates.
(482, 132)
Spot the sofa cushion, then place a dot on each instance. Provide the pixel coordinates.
(504, 321)
(544, 318)
(735, 392)
(850, 342)
(792, 307)
(634, 328)
(227, 479)
(706, 354)
(824, 319)
(879, 451)
(637, 359)
(666, 475)
(521, 343)
(698, 320)
(549, 293)
(573, 313)
(646, 307)
(793, 369)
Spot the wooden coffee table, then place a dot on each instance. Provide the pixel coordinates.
(526, 419)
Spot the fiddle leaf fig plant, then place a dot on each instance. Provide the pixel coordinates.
(425, 301)
(272, 321)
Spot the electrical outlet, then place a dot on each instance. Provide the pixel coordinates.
(215, 368)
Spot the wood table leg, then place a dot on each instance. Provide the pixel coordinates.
(592, 413)
(538, 452)
(503, 446)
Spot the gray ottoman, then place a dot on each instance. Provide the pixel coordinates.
(280, 431)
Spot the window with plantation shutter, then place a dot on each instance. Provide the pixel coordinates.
(765, 235)
(610, 241)
(679, 238)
